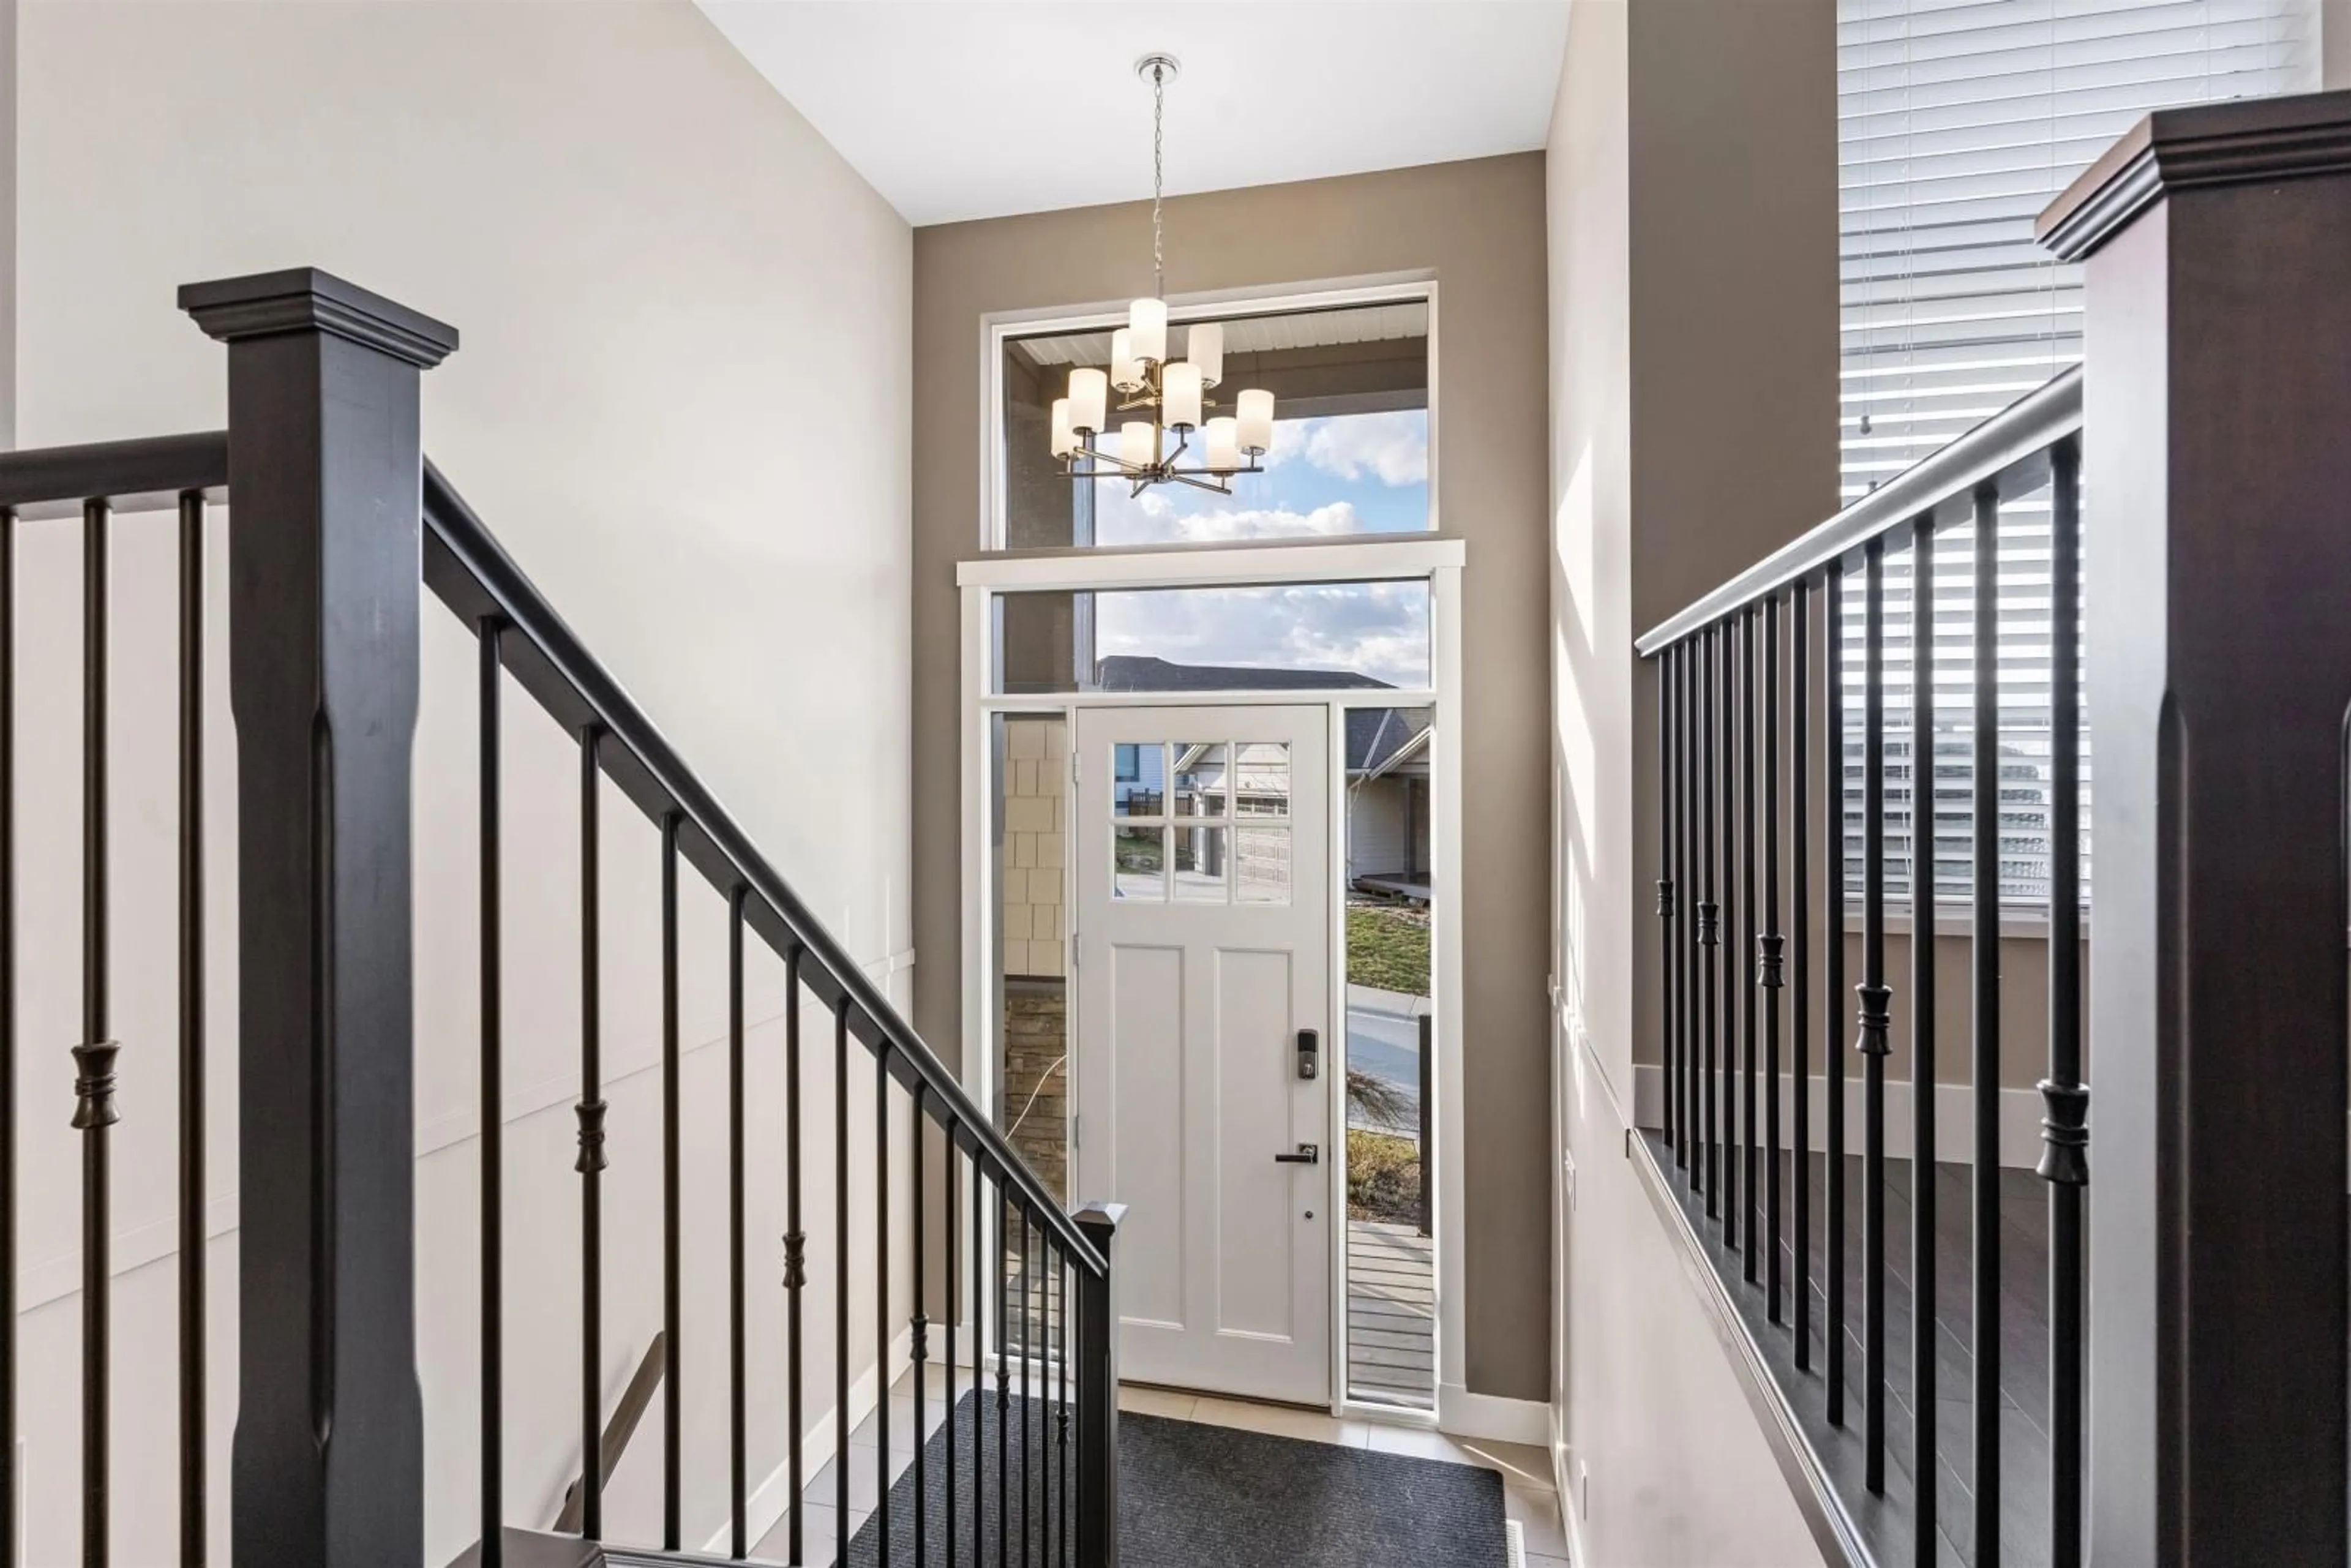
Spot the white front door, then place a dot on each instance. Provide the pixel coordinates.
(1203, 914)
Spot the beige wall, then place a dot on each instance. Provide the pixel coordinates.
(681, 402)
(1693, 350)
(2334, 41)
(1476, 226)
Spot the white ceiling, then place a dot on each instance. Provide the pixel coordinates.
(974, 109)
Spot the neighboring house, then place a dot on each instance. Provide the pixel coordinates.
(1388, 802)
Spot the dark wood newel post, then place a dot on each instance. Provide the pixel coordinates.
(325, 478)
(2217, 518)
(1098, 1391)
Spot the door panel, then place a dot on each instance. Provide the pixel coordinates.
(1203, 945)
(1147, 1131)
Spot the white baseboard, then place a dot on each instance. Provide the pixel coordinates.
(2020, 1116)
(1497, 1420)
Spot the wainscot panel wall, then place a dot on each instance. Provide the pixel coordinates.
(681, 399)
(1478, 228)
(1692, 167)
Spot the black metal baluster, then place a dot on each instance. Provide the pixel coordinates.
(1061, 1410)
(795, 1263)
(881, 1302)
(492, 1097)
(1985, 1069)
(1875, 1001)
(1003, 1389)
(737, 1411)
(192, 1032)
(672, 1218)
(978, 1361)
(1665, 885)
(919, 1349)
(1922, 1037)
(1692, 962)
(953, 1308)
(1028, 1382)
(8, 1478)
(2065, 1100)
(1800, 927)
(1709, 914)
(94, 1108)
(1749, 928)
(841, 1277)
(1833, 1042)
(1733, 992)
(590, 1164)
(1771, 943)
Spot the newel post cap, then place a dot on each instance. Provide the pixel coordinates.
(2243, 142)
(1099, 1216)
(305, 300)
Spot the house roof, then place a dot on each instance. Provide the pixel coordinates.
(1142, 673)
(1381, 738)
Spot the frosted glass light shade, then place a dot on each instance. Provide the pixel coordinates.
(1089, 397)
(1146, 326)
(1256, 422)
(1224, 442)
(1137, 441)
(1204, 345)
(1125, 370)
(1063, 442)
(1179, 394)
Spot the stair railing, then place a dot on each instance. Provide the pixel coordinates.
(335, 511)
(2196, 1367)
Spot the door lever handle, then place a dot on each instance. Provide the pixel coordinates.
(1307, 1155)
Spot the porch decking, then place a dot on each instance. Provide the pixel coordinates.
(1391, 1315)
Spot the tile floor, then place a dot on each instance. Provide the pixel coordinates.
(1527, 1493)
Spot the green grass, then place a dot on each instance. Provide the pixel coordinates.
(1387, 948)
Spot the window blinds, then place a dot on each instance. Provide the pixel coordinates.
(1958, 122)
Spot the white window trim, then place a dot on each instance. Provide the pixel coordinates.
(1213, 305)
(1440, 561)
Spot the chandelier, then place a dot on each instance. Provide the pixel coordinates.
(1174, 394)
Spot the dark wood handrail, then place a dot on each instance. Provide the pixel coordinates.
(144, 476)
(2010, 450)
(470, 572)
(634, 1399)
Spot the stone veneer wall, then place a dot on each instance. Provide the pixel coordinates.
(1036, 1040)
(1035, 944)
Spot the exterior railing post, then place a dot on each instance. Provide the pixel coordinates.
(325, 471)
(1098, 1391)
(2217, 394)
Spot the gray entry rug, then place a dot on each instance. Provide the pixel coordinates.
(1191, 1496)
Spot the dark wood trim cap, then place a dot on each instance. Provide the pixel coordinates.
(305, 300)
(2243, 142)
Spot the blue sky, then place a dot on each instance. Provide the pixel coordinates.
(1352, 475)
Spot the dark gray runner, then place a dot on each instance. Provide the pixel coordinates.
(1196, 1495)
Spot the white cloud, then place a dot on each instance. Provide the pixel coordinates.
(1376, 629)
(1390, 447)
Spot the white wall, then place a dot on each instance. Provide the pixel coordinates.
(681, 402)
(1691, 170)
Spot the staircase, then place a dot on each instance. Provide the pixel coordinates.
(891, 1260)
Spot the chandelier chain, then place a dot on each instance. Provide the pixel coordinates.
(1158, 113)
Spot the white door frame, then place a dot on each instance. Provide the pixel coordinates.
(1435, 558)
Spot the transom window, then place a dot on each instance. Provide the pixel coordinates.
(1200, 821)
(1351, 437)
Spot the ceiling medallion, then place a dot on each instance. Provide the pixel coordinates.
(1173, 392)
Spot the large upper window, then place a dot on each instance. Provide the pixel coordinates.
(1958, 122)
(1350, 452)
